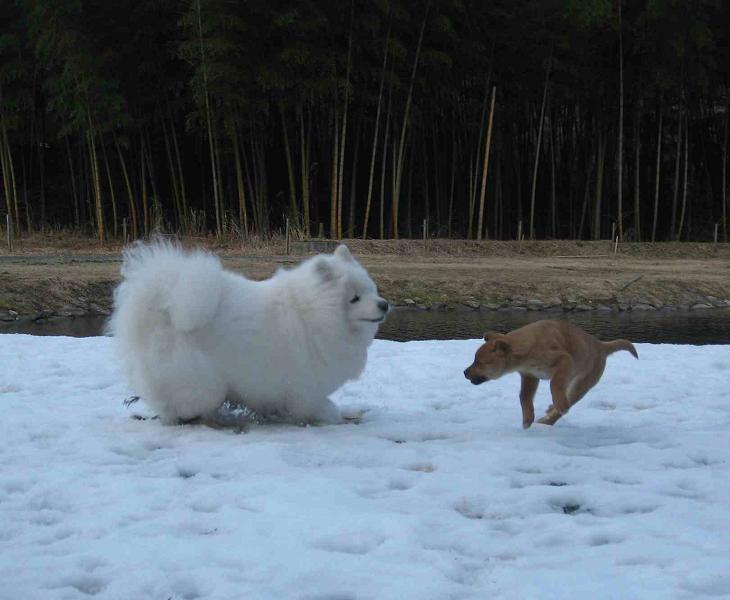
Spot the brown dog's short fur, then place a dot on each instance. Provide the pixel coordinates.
(570, 358)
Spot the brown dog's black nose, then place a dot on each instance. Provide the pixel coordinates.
(383, 306)
(478, 380)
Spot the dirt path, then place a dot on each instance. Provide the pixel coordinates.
(66, 284)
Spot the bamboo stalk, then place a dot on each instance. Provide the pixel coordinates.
(341, 169)
(686, 173)
(538, 145)
(77, 220)
(473, 168)
(637, 172)
(677, 170)
(450, 217)
(385, 164)
(180, 215)
(586, 194)
(553, 199)
(375, 134)
(130, 193)
(335, 174)
(242, 211)
(5, 169)
(600, 166)
(304, 156)
(620, 124)
(658, 172)
(724, 173)
(406, 115)
(288, 233)
(96, 180)
(112, 195)
(220, 210)
(9, 231)
(293, 210)
(209, 122)
(353, 182)
(485, 167)
(10, 173)
(143, 186)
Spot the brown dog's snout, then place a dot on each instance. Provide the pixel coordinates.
(476, 379)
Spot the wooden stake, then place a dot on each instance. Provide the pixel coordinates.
(615, 245)
(9, 225)
(519, 231)
(613, 230)
(320, 233)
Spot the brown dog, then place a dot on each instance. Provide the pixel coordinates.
(570, 358)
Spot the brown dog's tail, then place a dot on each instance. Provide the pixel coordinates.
(616, 345)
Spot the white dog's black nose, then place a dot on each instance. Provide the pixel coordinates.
(383, 306)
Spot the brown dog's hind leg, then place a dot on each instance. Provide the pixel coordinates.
(559, 390)
(583, 385)
(550, 418)
(527, 395)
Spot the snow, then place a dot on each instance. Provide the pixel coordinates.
(439, 493)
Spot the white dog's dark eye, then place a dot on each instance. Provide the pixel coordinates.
(355, 299)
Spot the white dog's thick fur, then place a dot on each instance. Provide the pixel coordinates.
(191, 334)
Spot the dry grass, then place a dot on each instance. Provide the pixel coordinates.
(70, 242)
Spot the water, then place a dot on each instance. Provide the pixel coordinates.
(658, 327)
(79, 327)
(667, 327)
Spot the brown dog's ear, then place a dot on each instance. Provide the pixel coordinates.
(491, 335)
(502, 347)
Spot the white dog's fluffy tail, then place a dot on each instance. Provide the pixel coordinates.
(165, 288)
(166, 295)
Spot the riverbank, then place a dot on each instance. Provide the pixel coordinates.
(50, 280)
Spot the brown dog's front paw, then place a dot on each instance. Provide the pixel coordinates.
(546, 420)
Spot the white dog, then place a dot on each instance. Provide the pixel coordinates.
(192, 334)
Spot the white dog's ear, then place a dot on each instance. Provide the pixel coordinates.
(325, 270)
(343, 253)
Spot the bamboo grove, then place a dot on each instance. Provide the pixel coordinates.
(367, 118)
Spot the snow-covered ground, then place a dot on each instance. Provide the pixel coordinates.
(437, 494)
